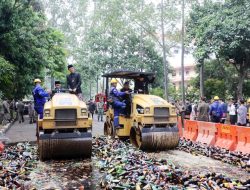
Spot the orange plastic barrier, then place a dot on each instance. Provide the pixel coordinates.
(226, 136)
(190, 130)
(179, 125)
(243, 144)
(206, 132)
(1, 147)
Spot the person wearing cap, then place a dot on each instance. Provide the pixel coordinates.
(215, 111)
(114, 100)
(74, 82)
(39, 95)
(127, 98)
(58, 87)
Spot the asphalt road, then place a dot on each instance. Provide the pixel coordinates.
(22, 132)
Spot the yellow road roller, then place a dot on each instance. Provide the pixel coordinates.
(151, 122)
(65, 130)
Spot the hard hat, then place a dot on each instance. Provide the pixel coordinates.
(248, 100)
(37, 80)
(216, 98)
(113, 81)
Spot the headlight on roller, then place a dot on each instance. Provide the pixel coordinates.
(173, 111)
(84, 111)
(147, 110)
(47, 113)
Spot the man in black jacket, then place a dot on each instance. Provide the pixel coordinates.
(74, 82)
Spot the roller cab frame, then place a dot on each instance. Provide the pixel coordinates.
(65, 130)
(152, 124)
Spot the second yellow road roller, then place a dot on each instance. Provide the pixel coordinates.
(65, 130)
(149, 121)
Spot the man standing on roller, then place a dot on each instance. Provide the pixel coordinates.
(39, 95)
(114, 100)
(74, 82)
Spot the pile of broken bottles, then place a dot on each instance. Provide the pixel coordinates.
(16, 163)
(126, 167)
(226, 156)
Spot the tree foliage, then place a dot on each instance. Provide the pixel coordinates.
(27, 45)
(222, 28)
(7, 75)
(220, 72)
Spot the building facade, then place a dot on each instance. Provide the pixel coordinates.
(174, 61)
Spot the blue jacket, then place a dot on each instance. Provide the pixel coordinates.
(216, 109)
(114, 94)
(223, 107)
(39, 95)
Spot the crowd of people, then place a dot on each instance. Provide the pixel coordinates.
(217, 111)
(12, 110)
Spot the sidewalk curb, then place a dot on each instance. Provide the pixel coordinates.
(4, 130)
(7, 127)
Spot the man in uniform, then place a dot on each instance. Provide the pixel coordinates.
(6, 107)
(216, 112)
(20, 111)
(203, 110)
(118, 106)
(31, 112)
(12, 110)
(39, 95)
(127, 98)
(74, 82)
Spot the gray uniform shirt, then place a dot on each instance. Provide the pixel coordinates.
(20, 107)
(242, 115)
(203, 110)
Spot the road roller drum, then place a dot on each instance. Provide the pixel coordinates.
(155, 138)
(65, 146)
(65, 130)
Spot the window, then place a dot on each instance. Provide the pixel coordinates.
(174, 73)
(187, 72)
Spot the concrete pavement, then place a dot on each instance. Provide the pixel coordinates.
(22, 132)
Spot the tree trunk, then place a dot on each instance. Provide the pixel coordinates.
(164, 53)
(242, 76)
(202, 79)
